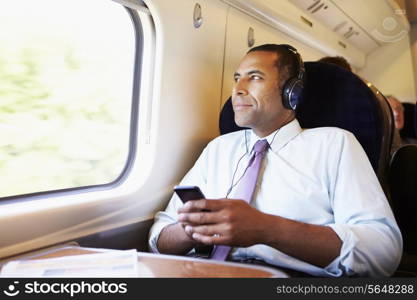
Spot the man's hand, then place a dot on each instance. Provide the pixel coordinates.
(236, 223)
(224, 221)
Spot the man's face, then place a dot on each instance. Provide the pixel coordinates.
(256, 94)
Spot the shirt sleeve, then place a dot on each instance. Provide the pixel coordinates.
(196, 176)
(363, 220)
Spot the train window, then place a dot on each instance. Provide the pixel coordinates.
(66, 76)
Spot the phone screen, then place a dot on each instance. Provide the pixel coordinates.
(187, 193)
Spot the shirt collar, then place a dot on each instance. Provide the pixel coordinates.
(282, 136)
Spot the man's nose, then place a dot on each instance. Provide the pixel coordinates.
(240, 88)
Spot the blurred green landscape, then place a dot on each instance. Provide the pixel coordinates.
(65, 99)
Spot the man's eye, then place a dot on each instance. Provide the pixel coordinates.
(236, 79)
(256, 77)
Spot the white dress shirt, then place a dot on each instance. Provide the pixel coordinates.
(318, 176)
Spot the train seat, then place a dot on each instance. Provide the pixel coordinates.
(336, 97)
(403, 188)
(408, 132)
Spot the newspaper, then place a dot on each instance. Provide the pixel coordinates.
(107, 264)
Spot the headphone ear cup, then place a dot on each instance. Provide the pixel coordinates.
(291, 93)
(285, 95)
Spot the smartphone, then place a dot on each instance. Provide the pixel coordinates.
(187, 193)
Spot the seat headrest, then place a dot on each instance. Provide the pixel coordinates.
(335, 97)
(409, 121)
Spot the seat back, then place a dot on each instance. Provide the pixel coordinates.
(408, 131)
(403, 187)
(388, 136)
(336, 97)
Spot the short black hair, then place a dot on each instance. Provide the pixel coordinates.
(286, 63)
(336, 60)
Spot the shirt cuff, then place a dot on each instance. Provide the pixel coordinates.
(340, 265)
(163, 220)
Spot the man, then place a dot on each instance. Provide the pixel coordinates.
(398, 113)
(317, 208)
(397, 110)
(337, 60)
(403, 134)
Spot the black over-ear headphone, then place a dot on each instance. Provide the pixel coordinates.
(293, 87)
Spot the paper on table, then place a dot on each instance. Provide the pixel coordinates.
(107, 264)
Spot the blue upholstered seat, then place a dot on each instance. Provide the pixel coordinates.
(336, 97)
(403, 188)
(409, 131)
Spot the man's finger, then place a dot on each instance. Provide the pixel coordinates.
(210, 230)
(202, 204)
(197, 218)
(209, 240)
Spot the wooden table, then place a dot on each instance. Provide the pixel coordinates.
(170, 266)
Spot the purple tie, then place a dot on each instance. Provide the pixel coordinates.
(245, 188)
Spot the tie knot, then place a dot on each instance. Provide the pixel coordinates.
(260, 146)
